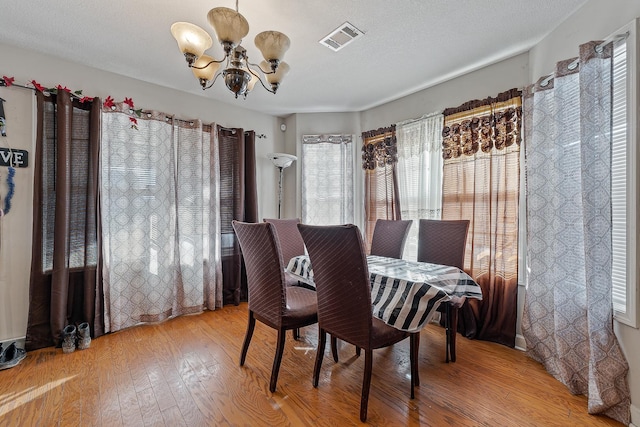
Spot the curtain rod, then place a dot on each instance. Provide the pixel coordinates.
(599, 48)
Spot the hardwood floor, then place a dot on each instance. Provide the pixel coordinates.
(185, 372)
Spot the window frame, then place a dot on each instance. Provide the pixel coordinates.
(630, 316)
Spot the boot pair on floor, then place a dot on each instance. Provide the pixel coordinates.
(11, 356)
(73, 337)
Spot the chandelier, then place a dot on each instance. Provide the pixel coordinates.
(238, 73)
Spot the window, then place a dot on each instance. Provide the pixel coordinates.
(327, 179)
(624, 178)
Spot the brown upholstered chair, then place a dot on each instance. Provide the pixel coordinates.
(444, 242)
(342, 282)
(389, 237)
(270, 300)
(291, 243)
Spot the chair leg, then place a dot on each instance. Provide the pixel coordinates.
(334, 348)
(247, 338)
(366, 384)
(322, 341)
(447, 327)
(357, 351)
(296, 333)
(453, 332)
(278, 358)
(414, 345)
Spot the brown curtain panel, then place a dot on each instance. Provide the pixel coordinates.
(481, 179)
(379, 160)
(239, 201)
(65, 285)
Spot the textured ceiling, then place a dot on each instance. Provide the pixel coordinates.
(408, 45)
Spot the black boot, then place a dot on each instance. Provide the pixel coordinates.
(84, 336)
(69, 339)
(11, 356)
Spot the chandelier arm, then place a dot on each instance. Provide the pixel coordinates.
(259, 78)
(218, 73)
(210, 62)
(260, 68)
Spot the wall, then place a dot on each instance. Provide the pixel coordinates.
(15, 240)
(15, 227)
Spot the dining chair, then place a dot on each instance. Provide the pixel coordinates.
(271, 302)
(342, 283)
(291, 245)
(444, 242)
(389, 237)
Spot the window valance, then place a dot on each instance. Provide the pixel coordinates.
(379, 148)
(482, 125)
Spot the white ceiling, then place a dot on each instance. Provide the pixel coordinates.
(408, 45)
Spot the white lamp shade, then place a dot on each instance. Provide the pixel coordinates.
(282, 160)
(209, 71)
(191, 38)
(283, 70)
(272, 44)
(252, 82)
(228, 24)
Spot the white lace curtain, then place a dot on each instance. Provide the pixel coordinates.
(160, 218)
(568, 314)
(419, 173)
(327, 179)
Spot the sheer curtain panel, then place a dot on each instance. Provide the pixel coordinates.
(65, 286)
(160, 212)
(568, 314)
(419, 174)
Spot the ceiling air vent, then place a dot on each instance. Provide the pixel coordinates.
(341, 36)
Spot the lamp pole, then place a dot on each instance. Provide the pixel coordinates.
(280, 192)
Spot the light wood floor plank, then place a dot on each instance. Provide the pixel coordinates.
(185, 372)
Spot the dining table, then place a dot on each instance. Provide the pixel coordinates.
(406, 294)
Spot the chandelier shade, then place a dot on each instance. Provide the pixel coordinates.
(204, 68)
(192, 40)
(272, 44)
(239, 74)
(229, 25)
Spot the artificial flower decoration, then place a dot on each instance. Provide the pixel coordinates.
(8, 81)
(129, 102)
(66, 89)
(134, 123)
(38, 86)
(108, 103)
(85, 99)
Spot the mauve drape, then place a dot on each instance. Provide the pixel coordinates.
(381, 194)
(239, 201)
(65, 287)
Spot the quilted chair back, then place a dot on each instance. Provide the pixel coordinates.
(443, 241)
(291, 243)
(265, 272)
(389, 237)
(342, 283)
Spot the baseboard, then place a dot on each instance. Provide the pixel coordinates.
(635, 416)
(520, 343)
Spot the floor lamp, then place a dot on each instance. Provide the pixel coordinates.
(281, 161)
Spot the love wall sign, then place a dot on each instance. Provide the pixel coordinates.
(15, 158)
